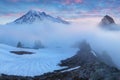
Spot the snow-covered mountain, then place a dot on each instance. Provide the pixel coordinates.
(33, 16)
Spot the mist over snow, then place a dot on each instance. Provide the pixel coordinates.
(50, 34)
(61, 35)
(60, 39)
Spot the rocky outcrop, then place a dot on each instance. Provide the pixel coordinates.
(92, 67)
(108, 23)
(21, 52)
(83, 56)
(107, 20)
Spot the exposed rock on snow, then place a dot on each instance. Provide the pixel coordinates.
(21, 52)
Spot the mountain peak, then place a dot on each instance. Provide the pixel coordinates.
(107, 20)
(111, 20)
(33, 16)
(35, 12)
(32, 11)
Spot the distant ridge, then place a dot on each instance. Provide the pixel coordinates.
(107, 20)
(108, 23)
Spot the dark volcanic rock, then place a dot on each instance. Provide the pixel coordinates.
(92, 67)
(83, 56)
(21, 52)
(108, 23)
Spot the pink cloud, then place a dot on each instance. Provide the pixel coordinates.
(32, 0)
(13, 14)
(14, 1)
(78, 1)
(72, 1)
(67, 2)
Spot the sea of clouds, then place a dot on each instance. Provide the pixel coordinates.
(60, 35)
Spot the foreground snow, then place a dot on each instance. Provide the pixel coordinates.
(70, 69)
(42, 61)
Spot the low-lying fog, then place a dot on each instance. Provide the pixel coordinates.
(60, 35)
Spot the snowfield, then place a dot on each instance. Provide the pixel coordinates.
(42, 61)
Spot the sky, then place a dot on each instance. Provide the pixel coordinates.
(68, 9)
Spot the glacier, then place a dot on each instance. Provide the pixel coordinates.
(42, 61)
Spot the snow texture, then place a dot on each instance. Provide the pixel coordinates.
(70, 69)
(42, 61)
(93, 53)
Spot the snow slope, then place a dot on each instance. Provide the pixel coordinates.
(42, 61)
(70, 69)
